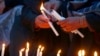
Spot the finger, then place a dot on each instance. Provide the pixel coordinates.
(62, 22)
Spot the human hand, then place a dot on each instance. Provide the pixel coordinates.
(41, 22)
(73, 23)
(52, 4)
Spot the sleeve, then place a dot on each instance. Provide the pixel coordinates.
(94, 21)
(30, 11)
(28, 18)
(95, 7)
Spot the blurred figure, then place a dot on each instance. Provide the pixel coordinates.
(83, 15)
(31, 26)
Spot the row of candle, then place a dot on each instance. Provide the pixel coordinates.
(40, 51)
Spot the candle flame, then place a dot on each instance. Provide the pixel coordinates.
(81, 53)
(42, 49)
(3, 45)
(22, 50)
(42, 7)
(3, 49)
(59, 52)
(27, 45)
(95, 53)
(27, 49)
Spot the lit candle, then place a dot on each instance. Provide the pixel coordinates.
(81, 53)
(59, 18)
(58, 53)
(41, 51)
(27, 49)
(95, 53)
(21, 52)
(38, 50)
(51, 25)
(3, 49)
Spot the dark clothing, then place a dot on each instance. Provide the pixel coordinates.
(24, 30)
(93, 20)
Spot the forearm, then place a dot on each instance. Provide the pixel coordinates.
(94, 21)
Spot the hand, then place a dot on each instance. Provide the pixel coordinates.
(41, 22)
(53, 4)
(72, 23)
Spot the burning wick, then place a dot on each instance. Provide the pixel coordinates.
(27, 49)
(43, 10)
(21, 52)
(59, 52)
(3, 49)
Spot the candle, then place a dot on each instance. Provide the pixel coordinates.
(3, 49)
(27, 49)
(41, 51)
(51, 25)
(95, 53)
(38, 50)
(81, 53)
(21, 52)
(58, 53)
(59, 18)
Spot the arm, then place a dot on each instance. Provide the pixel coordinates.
(92, 14)
(94, 21)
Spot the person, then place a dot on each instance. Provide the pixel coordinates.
(82, 17)
(6, 23)
(30, 26)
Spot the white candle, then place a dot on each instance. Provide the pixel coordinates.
(58, 53)
(59, 18)
(51, 25)
(41, 51)
(21, 52)
(3, 49)
(38, 50)
(81, 53)
(27, 49)
(95, 53)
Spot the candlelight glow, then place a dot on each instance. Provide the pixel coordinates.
(39, 50)
(81, 53)
(42, 7)
(59, 52)
(3, 49)
(27, 49)
(21, 52)
(44, 12)
(95, 53)
(42, 48)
